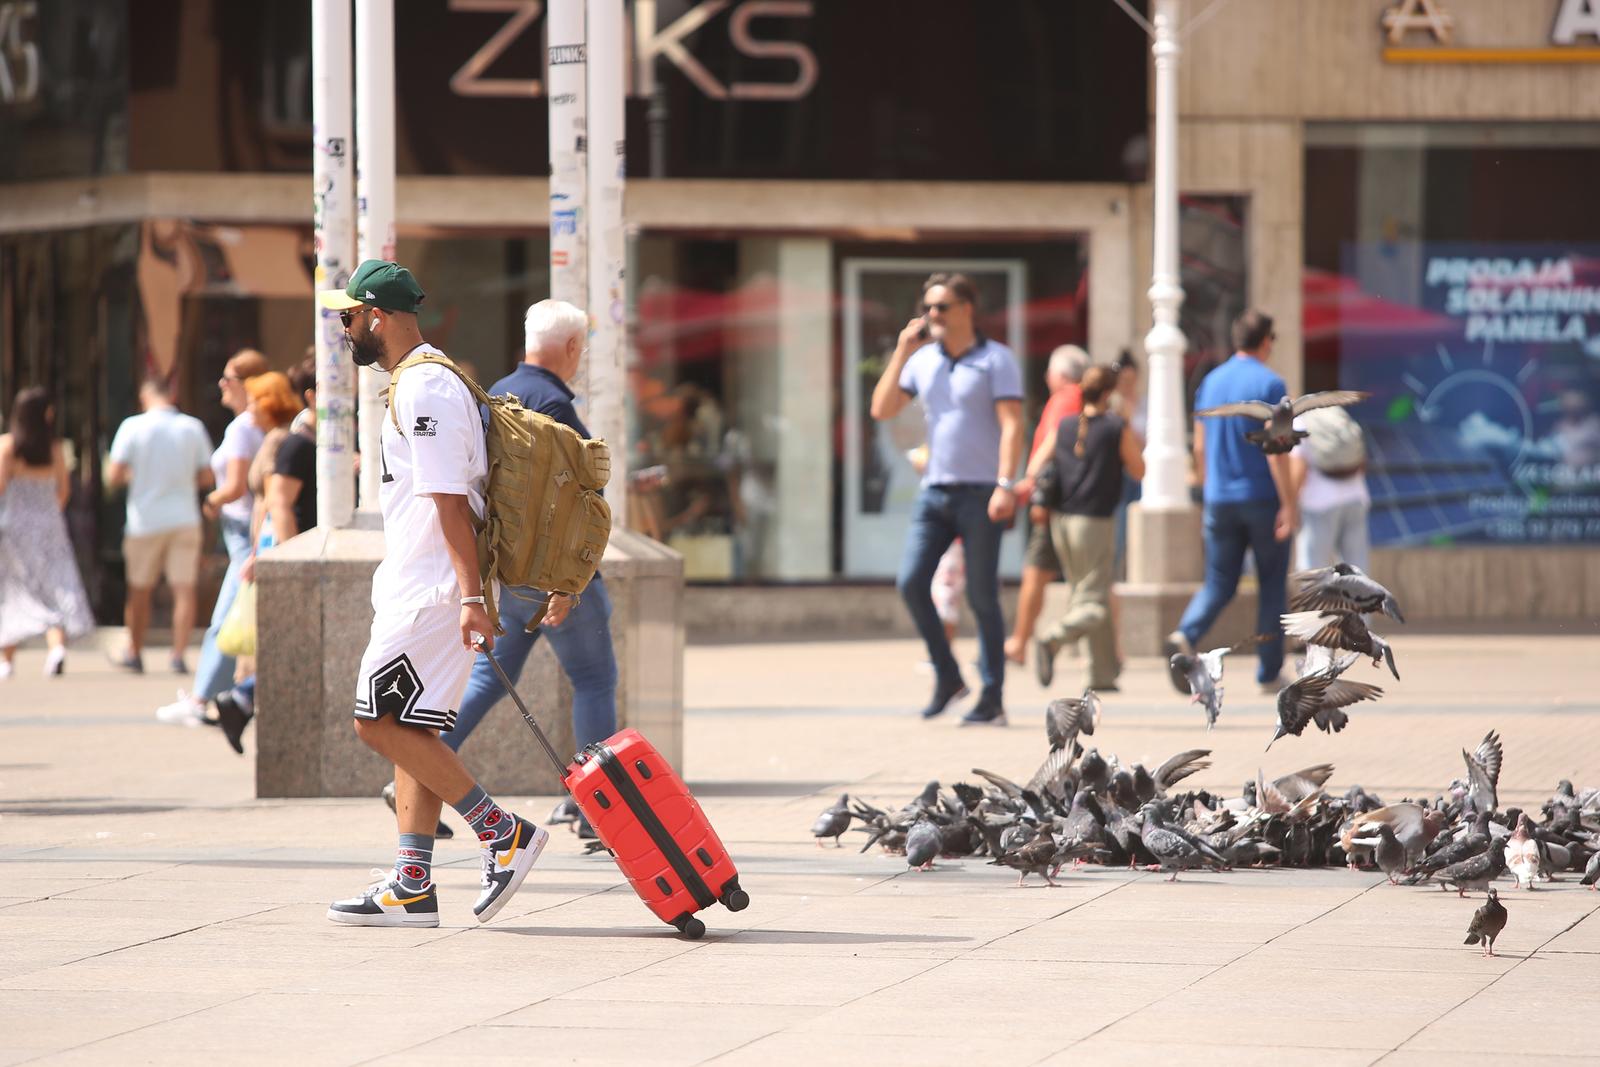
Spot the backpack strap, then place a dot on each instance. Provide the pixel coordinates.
(486, 561)
(428, 357)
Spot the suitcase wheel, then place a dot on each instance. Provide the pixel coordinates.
(733, 898)
(690, 927)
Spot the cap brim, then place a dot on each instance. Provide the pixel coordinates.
(337, 300)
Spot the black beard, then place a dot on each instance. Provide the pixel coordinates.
(366, 351)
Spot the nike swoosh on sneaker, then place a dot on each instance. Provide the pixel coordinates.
(389, 900)
(504, 859)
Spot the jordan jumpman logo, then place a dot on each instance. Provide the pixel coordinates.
(394, 689)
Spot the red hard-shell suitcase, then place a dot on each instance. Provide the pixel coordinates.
(650, 821)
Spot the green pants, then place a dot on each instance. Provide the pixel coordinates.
(1086, 547)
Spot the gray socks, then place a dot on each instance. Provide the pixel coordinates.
(413, 864)
(488, 820)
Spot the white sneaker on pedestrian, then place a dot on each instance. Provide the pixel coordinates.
(55, 662)
(5, 669)
(185, 711)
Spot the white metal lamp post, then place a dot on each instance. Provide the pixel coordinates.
(1165, 452)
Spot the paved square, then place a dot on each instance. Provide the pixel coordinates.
(152, 911)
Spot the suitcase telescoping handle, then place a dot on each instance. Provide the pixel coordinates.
(511, 690)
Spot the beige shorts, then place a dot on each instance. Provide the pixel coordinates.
(176, 552)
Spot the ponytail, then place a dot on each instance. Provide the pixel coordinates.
(1098, 381)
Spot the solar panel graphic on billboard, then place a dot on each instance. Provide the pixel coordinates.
(1484, 423)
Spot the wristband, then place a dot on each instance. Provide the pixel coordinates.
(472, 600)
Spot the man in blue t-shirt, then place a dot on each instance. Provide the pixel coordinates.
(556, 335)
(970, 389)
(1248, 504)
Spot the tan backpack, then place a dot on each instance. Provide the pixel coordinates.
(546, 524)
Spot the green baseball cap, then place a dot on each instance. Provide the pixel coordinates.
(376, 283)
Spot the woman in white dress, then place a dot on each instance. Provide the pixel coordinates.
(41, 591)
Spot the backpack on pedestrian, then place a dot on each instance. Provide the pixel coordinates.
(545, 524)
(1336, 447)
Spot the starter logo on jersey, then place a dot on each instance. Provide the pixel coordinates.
(425, 427)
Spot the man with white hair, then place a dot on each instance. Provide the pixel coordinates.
(556, 335)
(1040, 567)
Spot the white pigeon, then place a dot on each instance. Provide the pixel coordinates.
(1522, 853)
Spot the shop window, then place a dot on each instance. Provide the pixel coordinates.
(1453, 271)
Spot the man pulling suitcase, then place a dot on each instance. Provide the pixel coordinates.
(428, 605)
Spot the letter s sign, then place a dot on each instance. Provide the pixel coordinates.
(19, 54)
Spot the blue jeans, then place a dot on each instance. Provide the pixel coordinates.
(941, 514)
(582, 644)
(215, 670)
(1229, 529)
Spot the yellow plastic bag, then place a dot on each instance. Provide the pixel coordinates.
(238, 634)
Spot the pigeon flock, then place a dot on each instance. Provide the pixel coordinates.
(1082, 806)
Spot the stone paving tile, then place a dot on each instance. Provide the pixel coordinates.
(670, 1045)
(706, 977)
(1108, 1052)
(850, 1050)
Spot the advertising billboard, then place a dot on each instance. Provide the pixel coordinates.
(1484, 364)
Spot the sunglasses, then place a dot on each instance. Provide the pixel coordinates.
(232, 378)
(942, 307)
(347, 317)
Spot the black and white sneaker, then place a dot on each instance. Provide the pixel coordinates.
(386, 903)
(506, 863)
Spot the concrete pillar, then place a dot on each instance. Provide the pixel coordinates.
(313, 611)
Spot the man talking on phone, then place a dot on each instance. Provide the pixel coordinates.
(970, 389)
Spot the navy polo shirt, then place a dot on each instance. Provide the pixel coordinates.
(541, 391)
(958, 396)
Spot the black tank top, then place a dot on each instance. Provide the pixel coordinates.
(1091, 484)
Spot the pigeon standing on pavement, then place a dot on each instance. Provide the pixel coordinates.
(833, 822)
(1477, 872)
(1203, 671)
(1487, 922)
(1278, 435)
(1591, 873)
(1176, 849)
(1342, 587)
(923, 842)
(1522, 853)
(1339, 630)
(1317, 697)
(1390, 853)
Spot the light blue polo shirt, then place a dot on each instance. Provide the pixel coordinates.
(958, 398)
(164, 449)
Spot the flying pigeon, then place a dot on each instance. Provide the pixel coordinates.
(1203, 670)
(1340, 630)
(1278, 434)
(833, 822)
(1342, 587)
(1487, 922)
(1317, 697)
(1477, 872)
(1067, 717)
(1483, 772)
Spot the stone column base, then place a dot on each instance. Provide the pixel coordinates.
(313, 615)
(1148, 612)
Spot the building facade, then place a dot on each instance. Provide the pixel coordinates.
(796, 169)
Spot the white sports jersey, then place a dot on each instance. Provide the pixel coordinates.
(439, 448)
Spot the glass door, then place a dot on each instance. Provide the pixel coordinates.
(880, 483)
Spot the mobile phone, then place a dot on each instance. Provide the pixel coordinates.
(922, 334)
